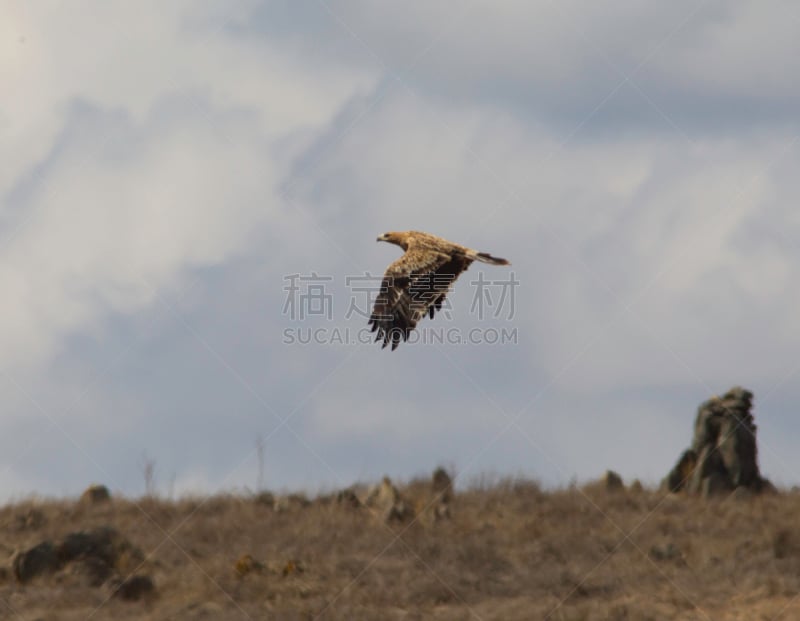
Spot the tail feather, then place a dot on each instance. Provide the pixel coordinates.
(485, 257)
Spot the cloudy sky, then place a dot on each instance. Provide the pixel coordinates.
(165, 166)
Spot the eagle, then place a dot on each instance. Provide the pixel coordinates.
(417, 283)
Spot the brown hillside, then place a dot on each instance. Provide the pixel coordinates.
(504, 551)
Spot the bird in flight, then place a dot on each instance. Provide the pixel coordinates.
(417, 283)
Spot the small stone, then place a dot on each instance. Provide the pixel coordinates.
(613, 481)
(665, 552)
(348, 498)
(95, 494)
(265, 498)
(442, 485)
(292, 502)
(387, 500)
(134, 588)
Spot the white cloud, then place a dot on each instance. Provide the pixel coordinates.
(174, 157)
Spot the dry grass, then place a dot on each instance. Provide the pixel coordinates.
(509, 551)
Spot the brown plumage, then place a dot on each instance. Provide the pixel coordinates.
(418, 282)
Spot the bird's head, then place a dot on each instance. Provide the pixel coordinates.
(393, 238)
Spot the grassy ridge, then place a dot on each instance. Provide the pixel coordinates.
(507, 551)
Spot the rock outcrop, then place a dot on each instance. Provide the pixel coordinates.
(723, 455)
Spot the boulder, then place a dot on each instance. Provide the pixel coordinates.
(98, 554)
(40, 559)
(94, 556)
(104, 544)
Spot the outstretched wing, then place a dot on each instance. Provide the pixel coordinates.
(416, 284)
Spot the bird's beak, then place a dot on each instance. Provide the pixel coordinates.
(381, 238)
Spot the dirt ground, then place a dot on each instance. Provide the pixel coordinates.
(507, 550)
